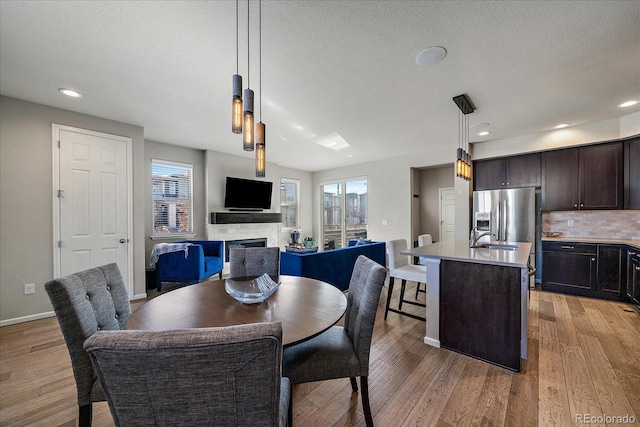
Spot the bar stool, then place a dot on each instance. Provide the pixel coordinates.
(400, 268)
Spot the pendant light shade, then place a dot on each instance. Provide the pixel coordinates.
(248, 139)
(261, 152)
(463, 158)
(236, 109)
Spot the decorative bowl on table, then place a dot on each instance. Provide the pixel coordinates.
(251, 291)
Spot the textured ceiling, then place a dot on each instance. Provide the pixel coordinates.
(329, 68)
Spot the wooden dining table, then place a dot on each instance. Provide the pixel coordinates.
(305, 307)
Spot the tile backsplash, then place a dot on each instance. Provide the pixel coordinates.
(622, 224)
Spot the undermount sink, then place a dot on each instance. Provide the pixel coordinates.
(501, 246)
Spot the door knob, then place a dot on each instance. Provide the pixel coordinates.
(123, 240)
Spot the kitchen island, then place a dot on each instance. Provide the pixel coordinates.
(477, 299)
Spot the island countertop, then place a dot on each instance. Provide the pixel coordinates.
(459, 250)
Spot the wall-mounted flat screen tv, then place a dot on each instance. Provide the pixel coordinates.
(247, 194)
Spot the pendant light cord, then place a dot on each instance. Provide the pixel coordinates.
(260, 50)
(237, 32)
(248, 37)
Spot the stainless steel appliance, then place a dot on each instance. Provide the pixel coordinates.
(508, 215)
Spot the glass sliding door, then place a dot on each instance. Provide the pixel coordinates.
(332, 215)
(344, 212)
(356, 209)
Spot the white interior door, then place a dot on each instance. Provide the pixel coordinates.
(93, 201)
(447, 213)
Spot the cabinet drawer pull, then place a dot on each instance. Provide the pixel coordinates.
(567, 247)
(593, 259)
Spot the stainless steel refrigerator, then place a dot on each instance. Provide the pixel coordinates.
(509, 214)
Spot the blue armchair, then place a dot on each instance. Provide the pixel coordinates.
(204, 259)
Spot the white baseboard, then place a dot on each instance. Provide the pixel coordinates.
(38, 316)
(28, 318)
(432, 342)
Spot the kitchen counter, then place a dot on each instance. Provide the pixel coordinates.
(459, 250)
(633, 243)
(477, 300)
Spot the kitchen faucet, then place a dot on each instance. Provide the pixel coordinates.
(474, 239)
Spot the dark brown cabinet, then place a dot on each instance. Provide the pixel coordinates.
(601, 176)
(586, 269)
(589, 177)
(569, 268)
(480, 311)
(560, 180)
(612, 265)
(508, 172)
(633, 275)
(632, 174)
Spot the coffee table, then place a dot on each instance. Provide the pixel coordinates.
(305, 307)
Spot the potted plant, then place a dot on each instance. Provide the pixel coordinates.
(309, 242)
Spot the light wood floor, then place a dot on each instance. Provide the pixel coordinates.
(584, 358)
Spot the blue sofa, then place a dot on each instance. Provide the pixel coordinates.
(205, 258)
(331, 266)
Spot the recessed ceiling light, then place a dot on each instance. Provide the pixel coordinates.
(562, 126)
(484, 133)
(628, 104)
(70, 92)
(431, 56)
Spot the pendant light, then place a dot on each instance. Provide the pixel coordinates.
(261, 161)
(248, 100)
(463, 158)
(236, 106)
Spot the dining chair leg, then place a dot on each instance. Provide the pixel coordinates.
(389, 292)
(290, 411)
(84, 415)
(354, 384)
(366, 408)
(404, 284)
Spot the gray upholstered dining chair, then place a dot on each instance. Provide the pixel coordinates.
(86, 302)
(250, 261)
(227, 376)
(342, 352)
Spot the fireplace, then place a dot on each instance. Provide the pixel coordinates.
(260, 242)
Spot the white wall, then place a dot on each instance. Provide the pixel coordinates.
(390, 196)
(26, 210)
(431, 180)
(576, 135)
(220, 165)
(389, 192)
(160, 151)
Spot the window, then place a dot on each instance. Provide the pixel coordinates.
(172, 197)
(344, 212)
(289, 199)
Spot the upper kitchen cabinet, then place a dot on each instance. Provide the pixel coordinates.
(560, 180)
(589, 177)
(632, 173)
(508, 172)
(601, 176)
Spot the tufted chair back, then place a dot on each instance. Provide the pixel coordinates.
(254, 261)
(86, 302)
